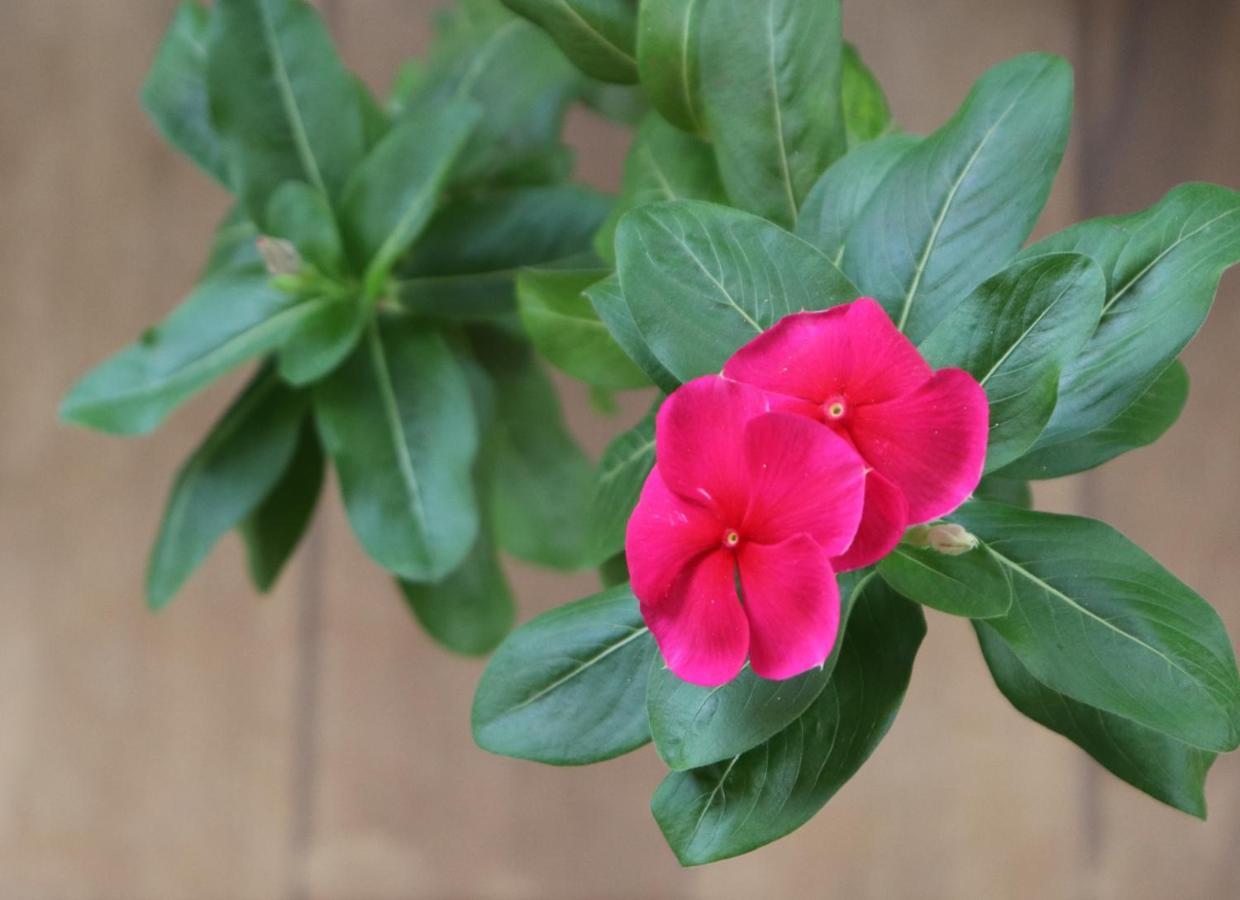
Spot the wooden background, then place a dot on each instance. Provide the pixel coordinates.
(314, 745)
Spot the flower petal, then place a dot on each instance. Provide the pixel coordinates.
(883, 521)
(793, 604)
(852, 350)
(699, 624)
(665, 533)
(931, 442)
(698, 444)
(803, 479)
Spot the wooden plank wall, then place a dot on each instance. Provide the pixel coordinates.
(314, 745)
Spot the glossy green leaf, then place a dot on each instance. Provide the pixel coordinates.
(1166, 769)
(1001, 489)
(541, 486)
(322, 340)
(273, 530)
(740, 804)
(467, 260)
(566, 330)
(613, 311)
(701, 280)
(175, 91)
(399, 425)
(959, 205)
(664, 163)
(836, 200)
(524, 84)
(694, 726)
(1095, 618)
(1015, 333)
(284, 105)
(1145, 421)
(771, 96)
(226, 478)
(471, 610)
(569, 687)
(1162, 267)
(667, 60)
(617, 484)
(599, 36)
(301, 215)
(974, 584)
(866, 113)
(391, 197)
(229, 319)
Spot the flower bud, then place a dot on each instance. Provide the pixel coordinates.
(279, 255)
(946, 538)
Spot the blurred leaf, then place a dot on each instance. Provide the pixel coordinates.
(175, 91)
(1001, 489)
(597, 35)
(613, 311)
(323, 340)
(301, 215)
(226, 478)
(566, 330)
(274, 528)
(866, 113)
(284, 105)
(617, 484)
(667, 59)
(398, 423)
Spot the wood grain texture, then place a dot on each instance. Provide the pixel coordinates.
(316, 745)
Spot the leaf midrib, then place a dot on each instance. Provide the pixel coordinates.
(288, 100)
(581, 667)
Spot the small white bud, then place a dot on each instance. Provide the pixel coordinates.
(279, 255)
(951, 539)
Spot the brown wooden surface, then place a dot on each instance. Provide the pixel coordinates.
(315, 745)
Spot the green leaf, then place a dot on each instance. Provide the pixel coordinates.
(569, 687)
(227, 477)
(1095, 618)
(664, 163)
(974, 584)
(738, 805)
(960, 204)
(284, 105)
(466, 262)
(1001, 489)
(272, 531)
(597, 35)
(608, 301)
(301, 215)
(1162, 267)
(398, 422)
(234, 246)
(1015, 333)
(701, 280)
(471, 610)
(867, 116)
(566, 330)
(175, 91)
(618, 482)
(391, 196)
(694, 726)
(771, 96)
(836, 200)
(1142, 423)
(375, 120)
(522, 82)
(229, 319)
(322, 340)
(613, 571)
(667, 60)
(541, 483)
(1166, 769)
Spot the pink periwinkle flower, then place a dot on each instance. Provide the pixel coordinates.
(921, 433)
(731, 545)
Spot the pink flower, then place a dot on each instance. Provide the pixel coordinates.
(921, 433)
(745, 498)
